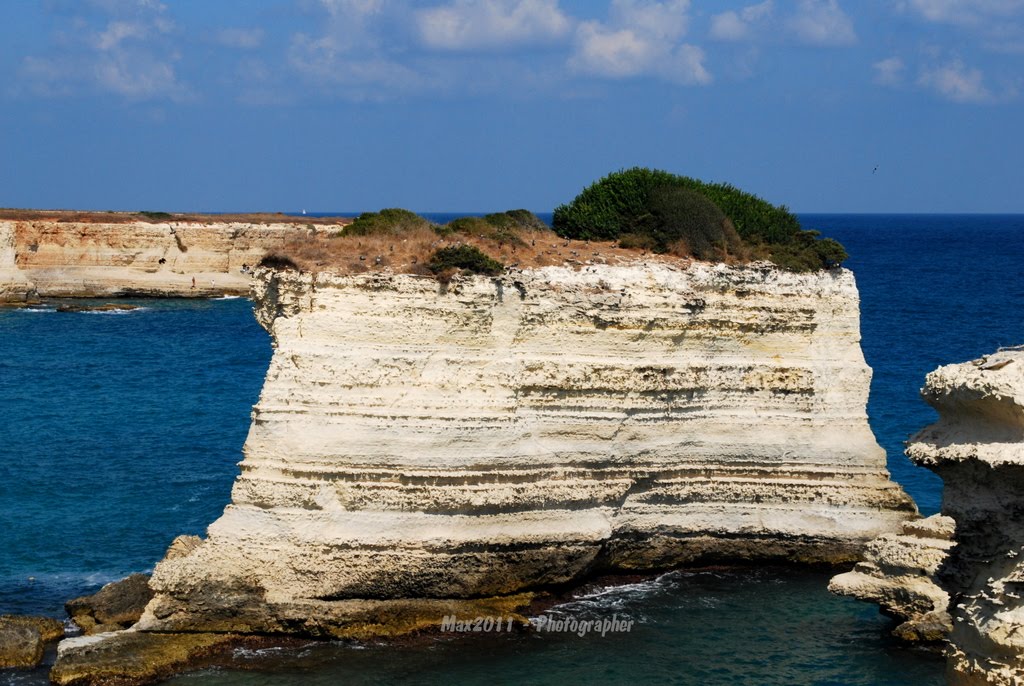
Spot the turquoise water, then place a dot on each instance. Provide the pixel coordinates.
(121, 431)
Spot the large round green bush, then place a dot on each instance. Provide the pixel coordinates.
(655, 209)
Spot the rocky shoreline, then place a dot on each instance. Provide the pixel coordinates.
(422, 449)
(959, 579)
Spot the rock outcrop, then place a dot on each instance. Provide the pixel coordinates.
(977, 447)
(23, 639)
(49, 257)
(421, 449)
(127, 658)
(898, 573)
(116, 606)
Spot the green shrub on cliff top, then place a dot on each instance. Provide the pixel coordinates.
(391, 221)
(504, 227)
(466, 258)
(656, 209)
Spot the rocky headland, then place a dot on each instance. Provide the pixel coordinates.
(963, 581)
(422, 448)
(88, 255)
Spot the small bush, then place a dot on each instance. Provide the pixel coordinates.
(469, 226)
(156, 215)
(278, 261)
(391, 221)
(504, 227)
(466, 258)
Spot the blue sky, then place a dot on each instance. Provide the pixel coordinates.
(463, 105)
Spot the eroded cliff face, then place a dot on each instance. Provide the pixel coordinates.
(92, 259)
(14, 285)
(977, 447)
(420, 449)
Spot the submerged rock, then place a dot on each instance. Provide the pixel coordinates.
(106, 307)
(22, 639)
(118, 605)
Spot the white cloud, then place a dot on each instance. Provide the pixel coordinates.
(328, 63)
(641, 38)
(822, 22)
(118, 31)
(137, 78)
(243, 39)
(999, 24)
(476, 24)
(889, 72)
(964, 12)
(115, 46)
(736, 26)
(957, 82)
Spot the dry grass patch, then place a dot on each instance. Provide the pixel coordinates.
(411, 252)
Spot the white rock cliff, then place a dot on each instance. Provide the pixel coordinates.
(419, 449)
(975, 577)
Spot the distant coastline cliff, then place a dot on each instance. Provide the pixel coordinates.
(84, 255)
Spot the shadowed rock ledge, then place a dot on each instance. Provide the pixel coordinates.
(976, 580)
(422, 449)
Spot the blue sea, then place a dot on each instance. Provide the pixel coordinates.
(121, 431)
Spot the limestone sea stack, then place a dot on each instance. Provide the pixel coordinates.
(977, 447)
(422, 448)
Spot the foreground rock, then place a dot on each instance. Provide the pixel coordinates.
(977, 447)
(898, 573)
(23, 639)
(130, 658)
(116, 606)
(417, 447)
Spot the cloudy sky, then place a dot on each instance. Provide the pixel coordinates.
(464, 105)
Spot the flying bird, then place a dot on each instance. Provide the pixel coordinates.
(875, 169)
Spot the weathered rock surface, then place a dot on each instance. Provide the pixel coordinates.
(23, 639)
(898, 573)
(977, 447)
(129, 658)
(49, 258)
(118, 605)
(418, 448)
(14, 285)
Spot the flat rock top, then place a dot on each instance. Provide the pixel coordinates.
(981, 412)
(87, 217)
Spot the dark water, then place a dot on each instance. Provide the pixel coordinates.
(121, 431)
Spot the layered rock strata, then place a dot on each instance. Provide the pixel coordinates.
(14, 285)
(420, 449)
(898, 573)
(47, 258)
(977, 447)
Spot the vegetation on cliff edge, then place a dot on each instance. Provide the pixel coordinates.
(668, 213)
